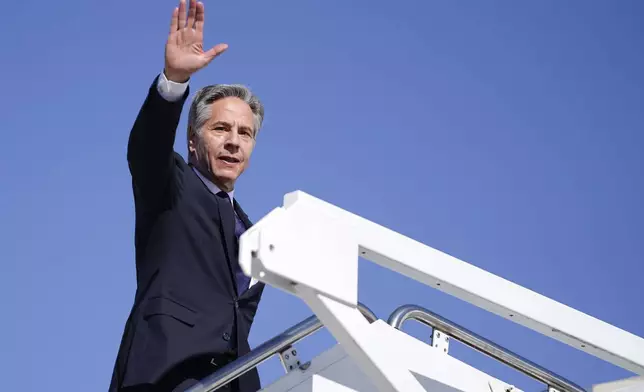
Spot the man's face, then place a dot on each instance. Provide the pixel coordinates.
(226, 142)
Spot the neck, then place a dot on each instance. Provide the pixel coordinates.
(207, 173)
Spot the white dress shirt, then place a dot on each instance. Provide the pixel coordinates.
(172, 91)
(169, 90)
(211, 185)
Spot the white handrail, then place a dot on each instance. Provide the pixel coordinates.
(477, 342)
(263, 352)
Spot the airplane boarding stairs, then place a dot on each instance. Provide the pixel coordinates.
(310, 248)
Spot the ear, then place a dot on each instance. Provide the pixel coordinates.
(192, 142)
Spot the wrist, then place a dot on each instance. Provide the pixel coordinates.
(174, 76)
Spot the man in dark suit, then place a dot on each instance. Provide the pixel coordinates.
(193, 307)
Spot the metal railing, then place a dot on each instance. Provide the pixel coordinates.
(491, 349)
(261, 353)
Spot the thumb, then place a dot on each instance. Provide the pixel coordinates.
(215, 51)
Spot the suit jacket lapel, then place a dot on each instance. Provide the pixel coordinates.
(225, 221)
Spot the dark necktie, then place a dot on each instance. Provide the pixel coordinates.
(241, 280)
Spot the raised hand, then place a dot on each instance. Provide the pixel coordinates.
(184, 54)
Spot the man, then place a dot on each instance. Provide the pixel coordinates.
(193, 307)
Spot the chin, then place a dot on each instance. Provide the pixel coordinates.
(226, 175)
(228, 172)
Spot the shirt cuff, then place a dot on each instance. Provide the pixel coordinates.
(169, 90)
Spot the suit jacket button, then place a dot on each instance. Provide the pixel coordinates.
(226, 336)
(236, 305)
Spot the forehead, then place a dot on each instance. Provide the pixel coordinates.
(232, 110)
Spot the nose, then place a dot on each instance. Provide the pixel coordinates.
(232, 141)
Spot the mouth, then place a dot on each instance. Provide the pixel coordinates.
(229, 160)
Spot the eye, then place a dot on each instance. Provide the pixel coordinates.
(245, 132)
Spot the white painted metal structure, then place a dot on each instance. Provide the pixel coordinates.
(310, 248)
(632, 384)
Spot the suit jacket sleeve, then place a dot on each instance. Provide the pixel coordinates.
(150, 150)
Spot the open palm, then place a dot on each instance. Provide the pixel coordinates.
(184, 54)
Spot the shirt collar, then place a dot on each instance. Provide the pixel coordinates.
(211, 186)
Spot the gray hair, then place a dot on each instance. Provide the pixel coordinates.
(200, 108)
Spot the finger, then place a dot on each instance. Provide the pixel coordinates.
(215, 51)
(174, 23)
(200, 17)
(191, 14)
(182, 14)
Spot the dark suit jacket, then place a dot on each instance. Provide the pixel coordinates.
(187, 318)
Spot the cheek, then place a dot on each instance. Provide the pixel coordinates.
(248, 150)
(210, 145)
(203, 147)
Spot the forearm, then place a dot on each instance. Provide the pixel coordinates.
(151, 141)
(150, 151)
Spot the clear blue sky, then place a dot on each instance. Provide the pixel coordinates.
(507, 134)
